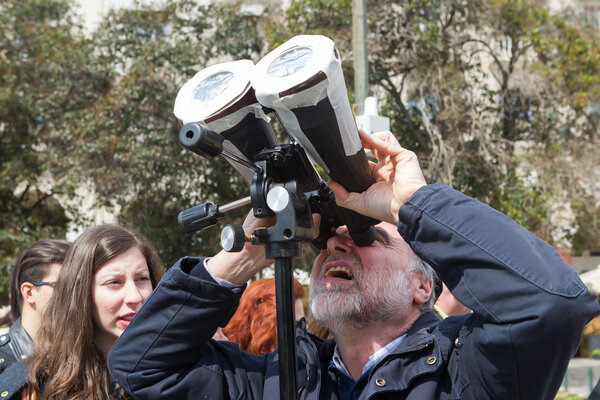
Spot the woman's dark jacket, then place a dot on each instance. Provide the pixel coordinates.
(529, 310)
(14, 379)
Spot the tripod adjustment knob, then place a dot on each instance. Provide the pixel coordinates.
(233, 238)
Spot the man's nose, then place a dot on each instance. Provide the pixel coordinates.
(339, 244)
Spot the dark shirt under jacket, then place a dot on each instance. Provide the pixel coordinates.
(16, 345)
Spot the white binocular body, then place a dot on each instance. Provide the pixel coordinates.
(302, 82)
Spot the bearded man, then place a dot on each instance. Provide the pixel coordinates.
(529, 307)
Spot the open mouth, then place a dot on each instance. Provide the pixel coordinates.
(127, 317)
(339, 272)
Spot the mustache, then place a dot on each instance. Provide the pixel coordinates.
(342, 257)
(357, 266)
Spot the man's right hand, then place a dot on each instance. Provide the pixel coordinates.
(239, 267)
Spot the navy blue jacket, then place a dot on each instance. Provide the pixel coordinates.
(529, 310)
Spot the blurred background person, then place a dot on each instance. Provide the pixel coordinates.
(447, 305)
(106, 277)
(254, 324)
(31, 285)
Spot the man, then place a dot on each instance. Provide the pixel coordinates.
(32, 281)
(529, 307)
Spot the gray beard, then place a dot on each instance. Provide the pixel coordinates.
(337, 309)
(378, 297)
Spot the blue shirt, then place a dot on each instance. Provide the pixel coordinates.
(348, 389)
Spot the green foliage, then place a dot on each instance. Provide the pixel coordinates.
(495, 97)
(568, 396)
(316, 17)
(587, 219)
(128, 146)
(488, 94)
(46, 77)
(90, 119)
(577, 62)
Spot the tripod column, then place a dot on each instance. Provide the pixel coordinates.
(286, 335)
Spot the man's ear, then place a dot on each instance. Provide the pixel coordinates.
(423, 289)
(28, 293)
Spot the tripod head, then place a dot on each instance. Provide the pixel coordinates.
(282, 166)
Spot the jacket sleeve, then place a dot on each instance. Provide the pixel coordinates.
(529, 306)
(167, 351)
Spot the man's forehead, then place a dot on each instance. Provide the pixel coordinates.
(53, 268)
(388, 228)
(52, 271)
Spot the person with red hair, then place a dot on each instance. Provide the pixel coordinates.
(254, 324)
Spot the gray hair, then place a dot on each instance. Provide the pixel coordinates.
(416, 265)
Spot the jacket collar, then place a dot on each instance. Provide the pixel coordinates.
(20, 339)
(420, 340)
(419, 334)
(423, 352)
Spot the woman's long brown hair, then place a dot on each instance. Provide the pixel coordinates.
(67, 363)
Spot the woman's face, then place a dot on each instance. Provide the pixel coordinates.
(119, 289)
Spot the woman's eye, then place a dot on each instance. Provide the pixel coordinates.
(144, 278)
(113, 282)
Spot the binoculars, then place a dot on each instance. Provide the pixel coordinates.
(226, 110)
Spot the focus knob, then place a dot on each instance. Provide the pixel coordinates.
(233, 238)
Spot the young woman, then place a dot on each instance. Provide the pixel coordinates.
(106, 277)
(254, 324)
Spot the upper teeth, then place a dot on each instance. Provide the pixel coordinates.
(339, 268)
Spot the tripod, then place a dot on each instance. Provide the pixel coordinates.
(283, 183)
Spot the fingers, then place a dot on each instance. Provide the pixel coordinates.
(384, 170)
(317, 224)
(251, 222)
(340, 193)
(343, 198)
(351, 201)
(381, 143)
(385, 136)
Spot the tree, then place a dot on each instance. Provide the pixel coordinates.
(546, 83)
(47, 76)
(497, 98)
(88, 123)
(128, 143)
(488, 94)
